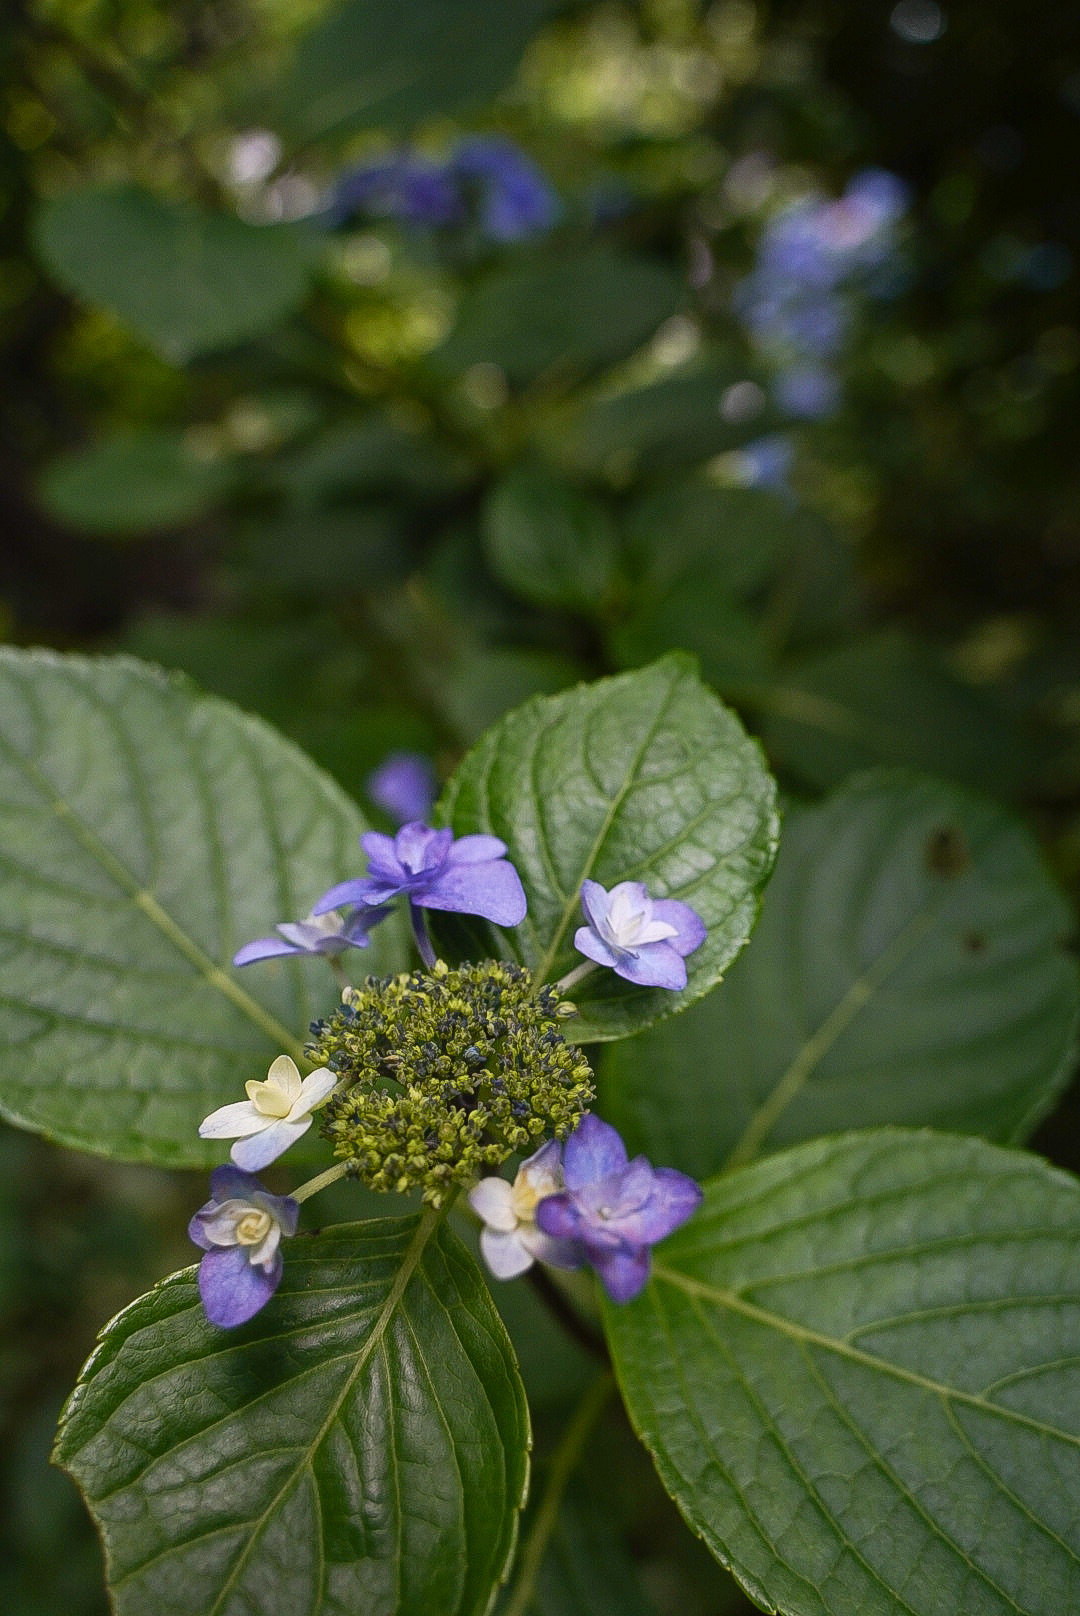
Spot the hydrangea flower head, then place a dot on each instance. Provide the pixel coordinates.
(329, 933)
(274, 1115)
(642, 939)
(469, 875)
(615, 1209)
(240, 1229)
(510, 1240)
(403, 786)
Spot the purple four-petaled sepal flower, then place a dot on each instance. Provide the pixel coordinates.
(642, 939)
(328, 932)
(403, 786)
(240, 1229)
(615, 1209)
(468, 876)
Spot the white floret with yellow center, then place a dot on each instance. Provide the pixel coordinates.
(275, 1114)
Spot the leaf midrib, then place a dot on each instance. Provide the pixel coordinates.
(803, 1334)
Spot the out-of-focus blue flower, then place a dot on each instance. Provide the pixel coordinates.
(642, 939)
(512, 197)
(766, 462)
(516, 199)
(401, 186)
(808, 391)
(275, 1114)
(468, 876)
(510, 1241)
(326, 933)
(615, 1209)
(403, 786)
(240, 1229)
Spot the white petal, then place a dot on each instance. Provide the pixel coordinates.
(314, 1089)
(504, 1254)
(262, 1148)
(283, 1074)
(232, 1121)
(492, 1200)
(655, 931)
(262, 1255)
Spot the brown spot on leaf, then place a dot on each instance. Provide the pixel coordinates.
(946, 852)
(975, 942)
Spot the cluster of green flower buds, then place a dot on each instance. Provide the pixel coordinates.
(442, 1076)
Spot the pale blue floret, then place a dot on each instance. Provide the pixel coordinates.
(642, 939)
(240, 1229)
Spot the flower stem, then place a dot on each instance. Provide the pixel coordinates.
(563, 1463)
(321, 1182)
(576, 1327)
(572, 978)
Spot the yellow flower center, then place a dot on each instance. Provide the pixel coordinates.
(253, 1227)
(268, 1099)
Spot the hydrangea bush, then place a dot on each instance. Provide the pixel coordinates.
(849, 1345)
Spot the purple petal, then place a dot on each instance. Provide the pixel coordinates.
(403, 786)
(232, 1289)
(417, 847)
(476, 850)
(690, 930)
(655, 965)
(595, 902)
(672, 1199)
(623, 1271)
(593, 947)
(593, 1150)
(361, 922)
(229, 1183)
(363, 890)
(558, 1216)
(265, 948)
(492, 890)
(195, 1229)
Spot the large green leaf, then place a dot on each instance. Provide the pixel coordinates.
(361, 1446)
(858, 1371)
(563, 315)
(909, 966)
(145, 833)
(644, 777)
(186, 281)
(396, 62)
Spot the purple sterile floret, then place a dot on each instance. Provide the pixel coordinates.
(642, 939)
(240, 1229)
(326, 933)
(403, 786)
(615, 1209)
(469, 876)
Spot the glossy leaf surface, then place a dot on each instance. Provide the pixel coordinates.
(858, 1371)
(362, 1445)
(645, 777)
(145, 833)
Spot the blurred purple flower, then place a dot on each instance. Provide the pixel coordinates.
(403, 786)
(327, 933)
(240, 1229)
(766, 463)
(516, 199)
(613, 1208)
(401, 186)
(642, 939)
(808, 391)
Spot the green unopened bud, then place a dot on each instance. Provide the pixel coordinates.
(477, 1071)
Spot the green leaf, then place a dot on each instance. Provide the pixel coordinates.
(908, 967)
(858, 1371)
(396, 62)
(187, 282)
(145, 833)
(549, 542)
(132, 484)
(728, 639)
(362, 1445)
(585, 1570)
(644, 777)
(742, 534)
(568, 314)
(887, 699)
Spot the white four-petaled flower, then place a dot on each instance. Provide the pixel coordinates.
(510, 1240)
(274, 1115)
